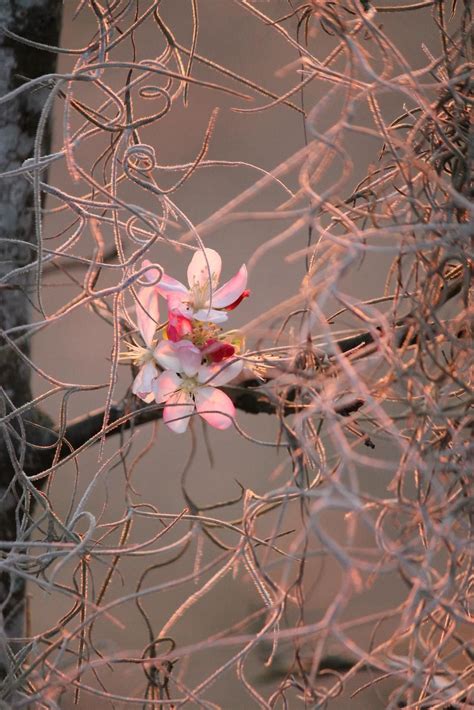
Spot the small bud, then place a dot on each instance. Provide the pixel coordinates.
(217, 351)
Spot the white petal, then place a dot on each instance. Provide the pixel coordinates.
(167, 355)
(220, 373)
(168, 286)
(215, 407)
(143, 382)
(190, 359)
(232, 290)
(178, 356)
(204, 264)
(178, 411)
(163, 283)
(165, 385)
(210, 315)
(147, 312)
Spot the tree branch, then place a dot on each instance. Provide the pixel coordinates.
(248, 396)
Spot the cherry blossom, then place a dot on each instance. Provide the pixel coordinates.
(202, 300)
(187, 386)
(185, 370)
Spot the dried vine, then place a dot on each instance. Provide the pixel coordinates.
(371, 397)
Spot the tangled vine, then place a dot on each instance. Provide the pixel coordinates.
(339, 565)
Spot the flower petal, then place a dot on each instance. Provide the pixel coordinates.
(215, 407)
(210, 315)
(179, 326)
(143, 382)
(227, 294)
(178, 411)
(152, 274)
(190, 359)
(205, 263)
(219, 374)
(178, 303)
(168, 286)
(183, 309)
(217, 350)
(244, 294)
(165, 385)
(147, 312)
(170, 355)
(163, 283)
(166, 355)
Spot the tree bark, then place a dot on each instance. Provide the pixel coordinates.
(40, 21)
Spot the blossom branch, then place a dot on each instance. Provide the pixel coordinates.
(249, 396)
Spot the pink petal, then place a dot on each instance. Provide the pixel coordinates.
(143, 382)
(165, 385)
(147, 312)
(238, 301)
(178, 411)
(231, 291)
(169, 355)
(205, 263)
(153, 274)
(217, 350)
(190, 359)
(177, 302)
(179, 326)
(220, 373)
(215, 407)
(168, 286)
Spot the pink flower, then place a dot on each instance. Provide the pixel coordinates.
(202, 300)
(187, 386)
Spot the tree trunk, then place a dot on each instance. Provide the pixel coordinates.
(37, 20)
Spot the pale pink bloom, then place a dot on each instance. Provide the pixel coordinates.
(147, 313)
(202, 300)
(187, 386)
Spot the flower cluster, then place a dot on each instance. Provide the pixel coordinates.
(195, 356)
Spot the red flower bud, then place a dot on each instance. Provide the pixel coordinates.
(178, 326)
(216, 350)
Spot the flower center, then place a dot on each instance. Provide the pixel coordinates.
(202, 332)
(145, 355)
(189, 384)
(200, 296)
(201, 292)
